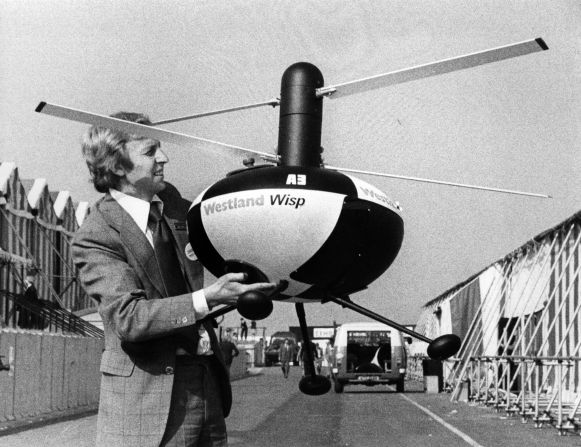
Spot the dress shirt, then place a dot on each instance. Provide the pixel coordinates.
(138, 209)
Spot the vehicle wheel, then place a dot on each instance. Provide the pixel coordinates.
(399, 386)
(338, 386)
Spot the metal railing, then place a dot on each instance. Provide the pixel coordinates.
(522, 351)
(533, 388)
(46, 316)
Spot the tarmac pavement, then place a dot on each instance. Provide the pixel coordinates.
(270, 410)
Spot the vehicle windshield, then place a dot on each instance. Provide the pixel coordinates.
(276, 344)
(369, 338)
(277, 341)
(368, 351)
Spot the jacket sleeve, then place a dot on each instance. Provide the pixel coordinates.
(109, 276)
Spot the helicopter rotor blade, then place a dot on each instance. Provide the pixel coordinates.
(440, 182)
(140, 129)
(272, 102)
(434, 68)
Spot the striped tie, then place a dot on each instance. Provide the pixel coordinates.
(165, 253)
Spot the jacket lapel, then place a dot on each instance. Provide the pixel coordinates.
(191, 270)
(133, 239)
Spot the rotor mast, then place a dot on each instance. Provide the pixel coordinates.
(301, 116)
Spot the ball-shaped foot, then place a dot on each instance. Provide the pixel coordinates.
(443, 347)
(314, 385)
(254, 305)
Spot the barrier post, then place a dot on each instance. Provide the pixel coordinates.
(523, 370)
(538, 366)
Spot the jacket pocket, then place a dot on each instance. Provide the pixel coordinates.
(116, 363)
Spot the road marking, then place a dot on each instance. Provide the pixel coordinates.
(450, 427)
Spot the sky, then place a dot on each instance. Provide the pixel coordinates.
(514, 124)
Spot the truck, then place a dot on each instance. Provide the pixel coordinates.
(369, 354)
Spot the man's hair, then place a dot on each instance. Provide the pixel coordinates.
(104, 151)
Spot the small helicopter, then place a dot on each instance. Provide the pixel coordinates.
(330, 234)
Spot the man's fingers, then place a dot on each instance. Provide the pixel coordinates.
(241, 277)
(258, 286)
(235, 277)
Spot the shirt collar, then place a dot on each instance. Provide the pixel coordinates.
(138, 209)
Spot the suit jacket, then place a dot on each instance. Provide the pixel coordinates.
(286, 353)
(142, 326)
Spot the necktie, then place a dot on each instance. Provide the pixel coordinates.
(169, 265)
(171, 272)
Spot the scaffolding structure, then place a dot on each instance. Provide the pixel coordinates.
(36, 228)
(520, 323)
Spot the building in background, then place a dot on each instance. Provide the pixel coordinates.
(520, 322)
(36, 227)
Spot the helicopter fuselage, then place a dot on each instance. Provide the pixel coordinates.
(324, 232)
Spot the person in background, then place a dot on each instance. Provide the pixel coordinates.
(229, 351)
(299, 350)
(319, 358)
(327, 356)
(261, 349)
(164, 381)
(302, 355)
(29, 311)
(285, 357)
(243, 329)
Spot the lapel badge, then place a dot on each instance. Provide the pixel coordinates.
(180, 226)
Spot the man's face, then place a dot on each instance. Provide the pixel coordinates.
(145, 178)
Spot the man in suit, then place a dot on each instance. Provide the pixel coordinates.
(285, 357)
(229, 351)
(164, 381)
(29, 312)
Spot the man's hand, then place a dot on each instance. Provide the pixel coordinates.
(229, 287)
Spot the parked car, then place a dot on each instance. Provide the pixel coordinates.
(276, 341)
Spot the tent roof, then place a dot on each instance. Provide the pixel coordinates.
(534, 241)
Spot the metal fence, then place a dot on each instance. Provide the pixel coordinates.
(47, 316)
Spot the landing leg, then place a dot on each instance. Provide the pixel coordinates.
(219, 312)
(440, 348)
(311, 384)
